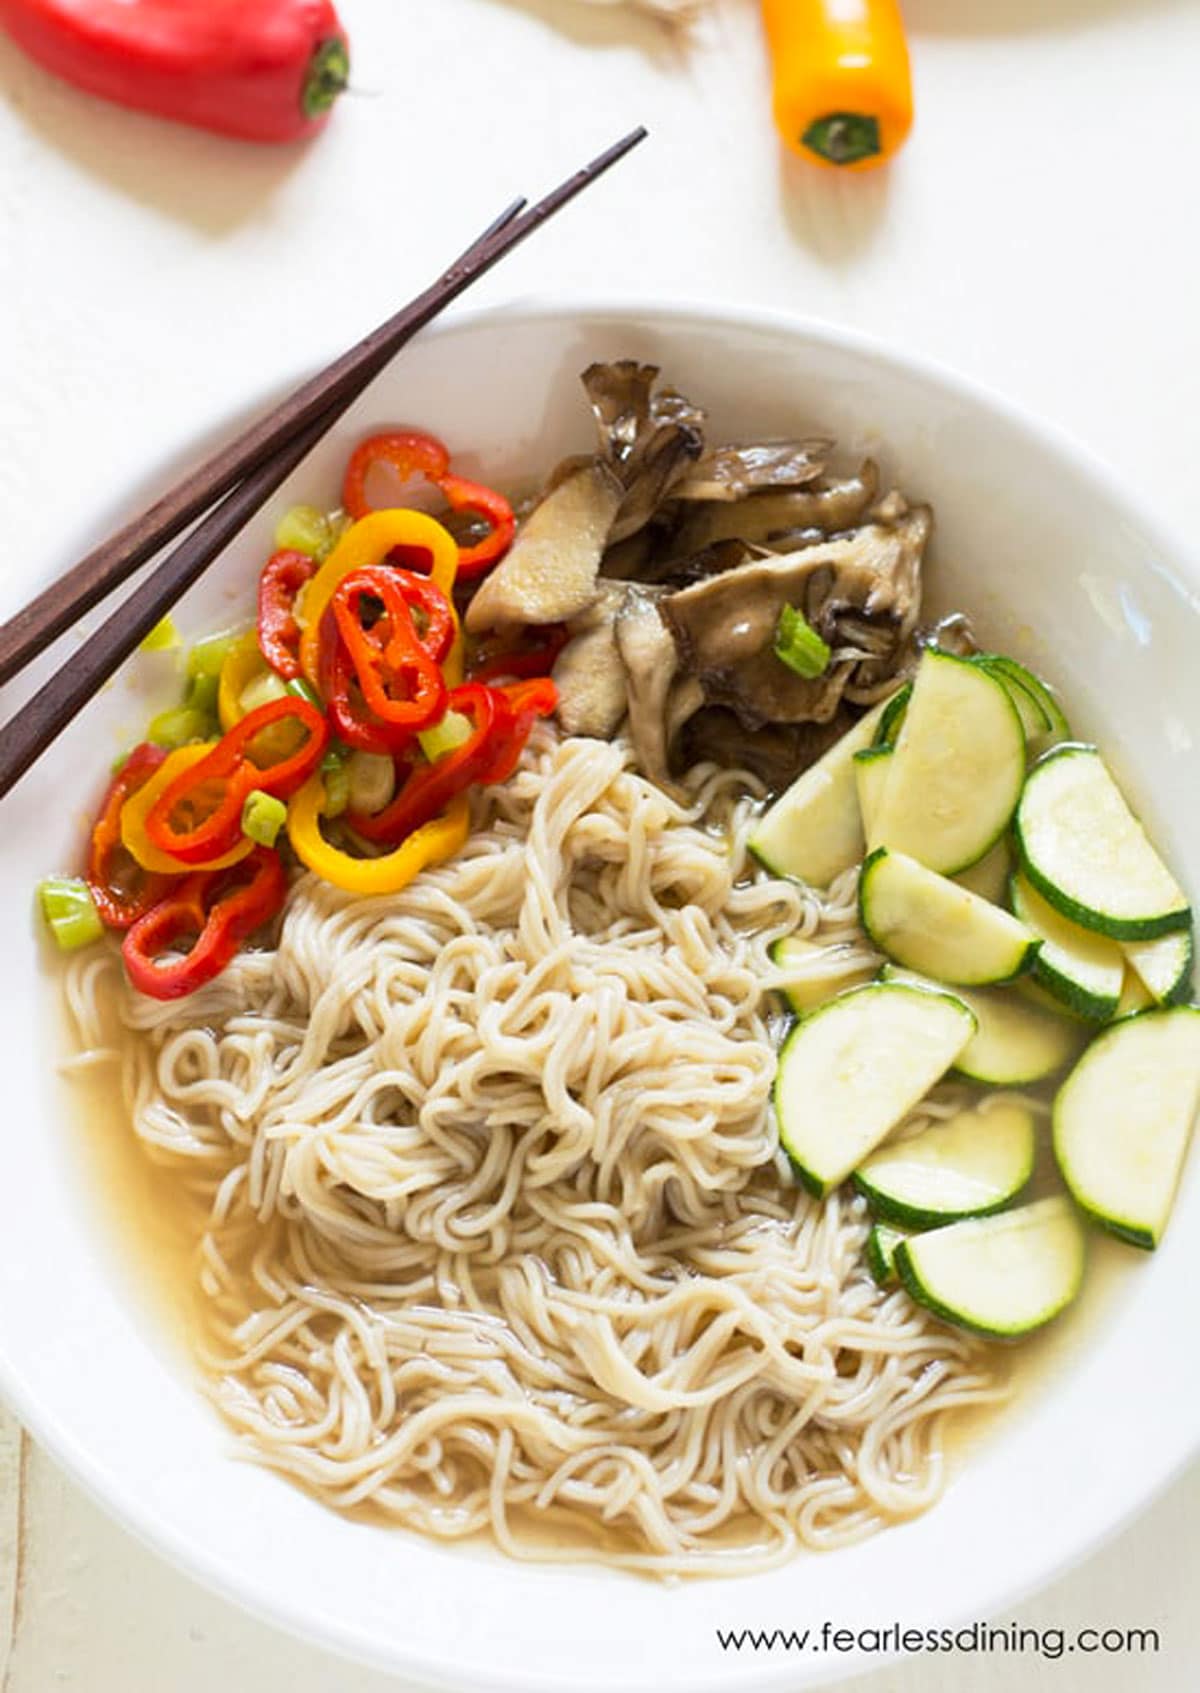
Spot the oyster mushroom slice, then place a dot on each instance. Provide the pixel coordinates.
(725, 626)
(732, 472)
(549, 573)
(650, 660)
(761, 517)
(651, 440)
(588, 672)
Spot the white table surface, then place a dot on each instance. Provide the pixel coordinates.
(1040, 233)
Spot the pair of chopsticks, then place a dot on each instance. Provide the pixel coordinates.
(230, 487)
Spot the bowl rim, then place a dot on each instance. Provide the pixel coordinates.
(1158, 1467)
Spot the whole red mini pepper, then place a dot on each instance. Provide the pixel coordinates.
(120, 888)
(214, 911)
(262, 70)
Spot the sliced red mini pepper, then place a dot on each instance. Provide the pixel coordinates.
(213, 909)
(120, 888)
(527, 701)
(208, 798)
(430, 787)
(535, 656)
(284, 574)
(397, 658)
(473, 497)
(410, 454)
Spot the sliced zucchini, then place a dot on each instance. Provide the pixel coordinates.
(972, 1164)
(958, 767)
(989, 878)
(1035, 994)
(1082, 970)
(1003, 1275)
(820, 971)
(871, 768)
(855, 1067)
(814, 831)
(893, 717)
(1086, 853)
(1035, 720)
(1164, 966)
(1015, 1044)
(931, 925)
(1123, 1118)
(1057, 727)
(880, 1252)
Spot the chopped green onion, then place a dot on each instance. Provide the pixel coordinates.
(445, 736)
(372, 779)
(207, 656)
(70, 911)
(175, 728)
(303, 689)
(265, 687)
(337, 790)
(162, 638)
(305, 529)
(263, 816)
(798, 645)
(202, 694)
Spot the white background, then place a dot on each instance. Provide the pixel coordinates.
(1039, 232)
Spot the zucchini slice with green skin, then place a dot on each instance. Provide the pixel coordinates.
(989, 878)
(822, 971)
(872, 767)
(1003, 1275)
(970, 1165)
(1015, 1044)
(1164, 966)
(880, 1252)
(1082, 970)
(854, 1068)
(1085, 852)
(929, 924)
(814, 830)
(1057, 727)
(1123, 1119)
(1035, 720)
(958, 768)
(893, 716)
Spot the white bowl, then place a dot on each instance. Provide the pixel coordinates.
(1055, 564)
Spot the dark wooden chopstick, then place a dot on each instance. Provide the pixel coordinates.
(62, 604)
(329, 393)
(47, 714)
(290, 431)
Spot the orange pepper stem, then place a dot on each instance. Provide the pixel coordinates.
(843, 137)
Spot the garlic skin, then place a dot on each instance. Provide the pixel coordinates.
(677, 10)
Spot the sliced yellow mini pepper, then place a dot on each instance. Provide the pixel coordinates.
(431, 844)
(368, 542)
(137, 808)
(244, 663)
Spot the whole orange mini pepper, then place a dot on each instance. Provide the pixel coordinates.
(843, 87)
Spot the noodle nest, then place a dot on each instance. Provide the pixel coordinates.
(495, 1235)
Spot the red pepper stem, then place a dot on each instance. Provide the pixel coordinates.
(328, 75)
